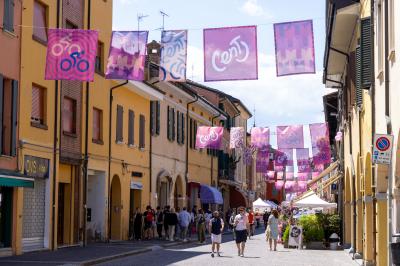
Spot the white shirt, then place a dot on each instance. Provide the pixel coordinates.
(241, 222)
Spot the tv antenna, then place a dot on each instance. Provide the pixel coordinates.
(163, 14)
(140, 17)
(254, 116)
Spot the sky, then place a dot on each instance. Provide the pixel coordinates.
(277, 100)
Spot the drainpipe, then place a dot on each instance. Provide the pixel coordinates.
(196, 98)
(109, 155)
(55, 140)
(86, 159)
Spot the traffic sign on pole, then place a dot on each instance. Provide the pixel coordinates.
(383, 145)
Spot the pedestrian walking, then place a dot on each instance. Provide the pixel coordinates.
(177, 227)
(216, 226)
(201, 220)
(232, 223)
(159, 221)
(208, 215)
(265, 219)
(192, 225)
(166, 231)
(251, 223)
(184, 221)
(272, 229)
(148, 217)
(138, 224)
(241, 224)
(172, 221)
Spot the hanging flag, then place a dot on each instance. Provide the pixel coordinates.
(290, 137)
(260, 137)
(127, 55)
(71, 54)
(173, 55)
(237, 137)
(230, 53)
(283, 158)
(248, 154)
(320, 143)
(271, 175)
(289, 186)
(294, 48)
(262, 161)
(279, 184)
(289, 175)
(303, 160)
(209, 137)
(301, 186)
(303, 176)
(279, 176)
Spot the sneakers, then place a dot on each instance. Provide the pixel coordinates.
(219, 255)
(212, 255)
(242, 255)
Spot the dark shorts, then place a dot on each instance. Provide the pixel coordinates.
(147, 225)
(241, 236)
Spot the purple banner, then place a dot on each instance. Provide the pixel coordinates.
(237, 137)
(283, 158)
(248, 154)
(71, 54)
(127, 55)
(279, 184)
(289, 186)
(294, 48)
(173, 55)
(301, 186)
(262, 161)
(230, 53)
(303, 160)
(289, 175)
(320, 143)
(209, 137)
(290, 137)
(260, 137)
(303, 176)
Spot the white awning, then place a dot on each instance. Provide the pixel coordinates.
(313, 201)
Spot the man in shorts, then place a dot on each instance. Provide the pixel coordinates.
(216, 227)
(241, 224)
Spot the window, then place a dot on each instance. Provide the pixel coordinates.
(8, 18)
(69, 116)
(99, 58)
(171, 124)
(8, 116)
(97, 126)
(180, 128)
(40, 22)
(38, 106)
(155, 117)
(193, 132)
(131, 128)
(120, 112)
(142, 131)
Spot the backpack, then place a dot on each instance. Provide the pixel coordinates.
(160, 217)
(149, 217)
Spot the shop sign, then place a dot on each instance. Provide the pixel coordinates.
(136, 185)
(36, 166)
(383, 145)
(295, 236)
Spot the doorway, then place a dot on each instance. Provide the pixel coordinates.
(6, 211)
(134, 203)
(116, 208)
(163, 198)
(64, 213)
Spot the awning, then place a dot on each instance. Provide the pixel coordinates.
(329, 169)
(211, 195)
(313, 201)
(16, 180)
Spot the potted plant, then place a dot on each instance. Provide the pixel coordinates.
(285, 237)
(313, 232)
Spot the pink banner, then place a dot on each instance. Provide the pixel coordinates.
(248, 154)
(283, 158)
(262, 161)
(320, 143)
(271, 175)
(237, 137)
(279, 184)
(260, 137)
(303, 160)
(279, 175)
(289, 186)
(230, 53)
(290, 137)
(209, 137)
(301, 186)
(127, 55)
(173, 55)
(294, 48)
(71, 54)
(289, 176)
(303, 176)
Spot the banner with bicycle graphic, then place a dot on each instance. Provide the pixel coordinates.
(71, 54)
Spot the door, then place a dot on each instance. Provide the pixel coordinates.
(60, 216)
(5, 216)
(163, 194)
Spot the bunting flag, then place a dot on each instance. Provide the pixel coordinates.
(294, 48)
(237, 137)
(248, 154)
(127, 55)
(301, 186)
(209, 137)
(289, 175)
(173, 55)
(230, 53)
(290, 137)
(303, 162)
(290, 186)
(260, 137)
(303, 176)
(71, 54)
(279, 184)
(283, 158)
(320, 143)
(262, 161)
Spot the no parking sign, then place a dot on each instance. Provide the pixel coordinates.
(383, 145)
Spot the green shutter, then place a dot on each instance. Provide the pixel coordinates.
(14, 118)
(366, 53)
(152, 118)
(358, 77)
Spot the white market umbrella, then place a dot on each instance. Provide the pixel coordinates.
(313, 201)
(259, 203)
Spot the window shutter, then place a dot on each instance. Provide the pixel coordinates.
(14, 118)
(183, 128)
(35, 112)
(173, 124)
(195, 133)
(178, 125)
(1, 111)
(96, 124)
(366, 53)
(120, 111)
(169, 123)
(152, 118)
(8, 20)
(190, 133)
(358, 77)
(142, 132)
(158, 117)
(131, 127)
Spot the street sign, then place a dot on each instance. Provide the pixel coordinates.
(383, 145)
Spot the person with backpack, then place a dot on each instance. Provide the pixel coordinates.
(201, 221)
(148, 217)
(159, 221)
(216, 226)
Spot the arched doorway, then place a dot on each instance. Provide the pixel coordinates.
(178, 192)
(164, 181)
(116, 208)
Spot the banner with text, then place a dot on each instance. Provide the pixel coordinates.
(209, 137)
(173, 55)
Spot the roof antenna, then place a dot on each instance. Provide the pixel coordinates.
(254, 116)
(163, 14)
(140, 17)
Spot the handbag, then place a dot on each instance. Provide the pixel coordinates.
(268, 233)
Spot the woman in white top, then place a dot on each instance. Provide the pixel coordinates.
(241, 225)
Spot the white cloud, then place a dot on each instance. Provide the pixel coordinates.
(126, 2)
(253, 8)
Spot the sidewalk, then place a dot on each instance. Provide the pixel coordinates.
(92, 254)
